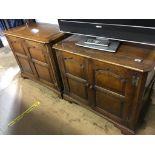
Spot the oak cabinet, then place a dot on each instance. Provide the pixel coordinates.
(33, 52)
(105, 88)
(112, 85)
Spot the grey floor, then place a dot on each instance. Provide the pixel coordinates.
(53, 116)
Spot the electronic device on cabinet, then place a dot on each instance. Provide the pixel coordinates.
(106, 34)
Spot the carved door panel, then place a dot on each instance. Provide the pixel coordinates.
(21, 55)
(112, 87)
(74, 70)
(39, 56)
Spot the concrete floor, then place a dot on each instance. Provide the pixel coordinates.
(53, 116)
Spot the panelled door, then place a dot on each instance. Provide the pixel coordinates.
(21, 55)
(112, 90)
(74, 71)
(41, 61)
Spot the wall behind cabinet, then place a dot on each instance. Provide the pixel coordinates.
(47, 20)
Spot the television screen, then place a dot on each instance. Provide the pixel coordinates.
(130, 30)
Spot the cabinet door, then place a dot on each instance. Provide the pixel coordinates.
(112, 87)
(41, 60)
(21, 56)
(74, 71)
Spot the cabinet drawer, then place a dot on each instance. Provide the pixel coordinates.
(75, 65)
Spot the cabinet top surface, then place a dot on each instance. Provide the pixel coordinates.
(40, 32)
(126, 56)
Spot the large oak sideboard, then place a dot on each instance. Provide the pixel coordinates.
(114, 85)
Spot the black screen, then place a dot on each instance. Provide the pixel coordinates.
(131, 30)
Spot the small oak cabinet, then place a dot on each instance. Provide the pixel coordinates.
(113, 85)
(32, 48)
